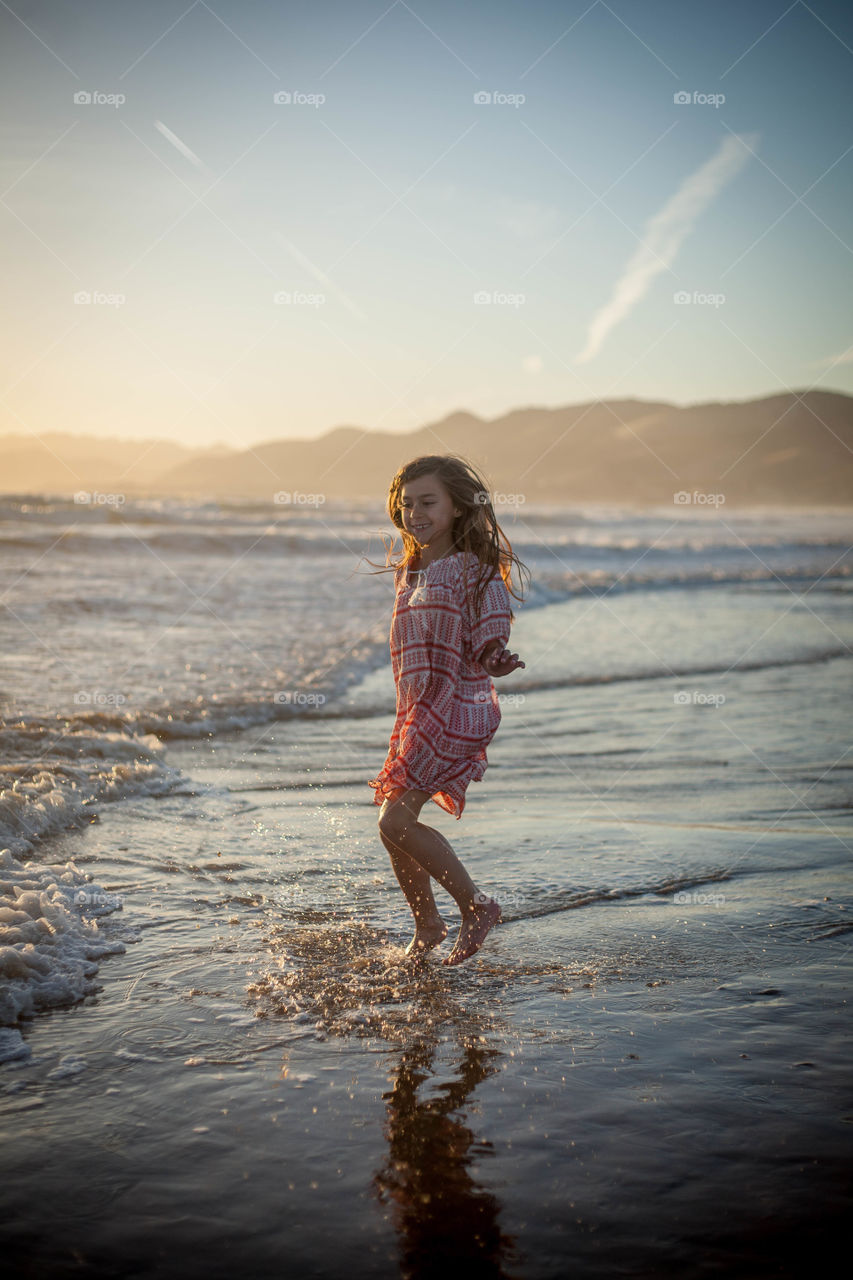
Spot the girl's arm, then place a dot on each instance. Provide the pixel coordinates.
(498, 661)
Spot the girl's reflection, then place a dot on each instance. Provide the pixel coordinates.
(443, 1217)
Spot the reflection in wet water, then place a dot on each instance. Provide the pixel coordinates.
(347, 980)
(443, 1217)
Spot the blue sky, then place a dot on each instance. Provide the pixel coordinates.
(383, 249)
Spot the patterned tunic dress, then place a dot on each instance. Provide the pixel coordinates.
(447, 707)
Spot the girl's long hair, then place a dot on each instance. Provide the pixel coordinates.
(476, 529)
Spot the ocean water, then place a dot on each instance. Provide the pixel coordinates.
(642, 1072)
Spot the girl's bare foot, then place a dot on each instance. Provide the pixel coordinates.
(475, 925)
(426, 937)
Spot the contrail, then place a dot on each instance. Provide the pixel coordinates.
(664, 234)
(180, 146)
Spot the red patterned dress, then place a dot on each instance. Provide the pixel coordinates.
(447, 707)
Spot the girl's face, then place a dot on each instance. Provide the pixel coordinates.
(428, 512)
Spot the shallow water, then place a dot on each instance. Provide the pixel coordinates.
(643, 1072)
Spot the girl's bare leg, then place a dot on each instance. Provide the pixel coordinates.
(430, 929)
(433, 854)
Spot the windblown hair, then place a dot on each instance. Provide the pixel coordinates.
(476, 529)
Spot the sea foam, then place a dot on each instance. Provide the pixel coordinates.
(50, 942)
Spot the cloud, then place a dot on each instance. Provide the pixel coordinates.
(664, 235)
(828, 362)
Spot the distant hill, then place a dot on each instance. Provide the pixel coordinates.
(788, 450)
(59, 462)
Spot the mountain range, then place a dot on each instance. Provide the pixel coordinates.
(793, 449)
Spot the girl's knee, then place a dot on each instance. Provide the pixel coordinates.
(393, 821)
(400, 811)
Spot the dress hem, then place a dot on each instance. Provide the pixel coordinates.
(395, 774)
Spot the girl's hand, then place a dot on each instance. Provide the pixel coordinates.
(500, 662)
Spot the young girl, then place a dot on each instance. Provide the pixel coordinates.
(449, 634)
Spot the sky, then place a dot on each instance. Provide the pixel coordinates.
(238, 222)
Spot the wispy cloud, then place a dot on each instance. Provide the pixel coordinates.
(828, 362)
(664, 235)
